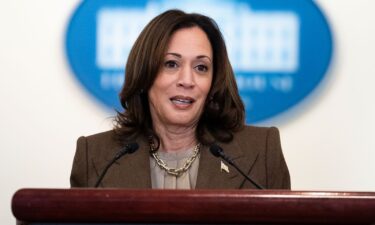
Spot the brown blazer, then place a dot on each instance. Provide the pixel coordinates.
(257, 151)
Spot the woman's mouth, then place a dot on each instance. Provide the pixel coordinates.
(182, 100)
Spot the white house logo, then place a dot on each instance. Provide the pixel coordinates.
(280, 50)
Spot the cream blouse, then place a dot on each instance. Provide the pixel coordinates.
(160, 179)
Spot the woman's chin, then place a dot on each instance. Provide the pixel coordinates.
(182, 122)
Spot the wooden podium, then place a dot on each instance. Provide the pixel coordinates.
(122, 206)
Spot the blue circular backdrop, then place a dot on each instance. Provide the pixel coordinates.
(280, 50)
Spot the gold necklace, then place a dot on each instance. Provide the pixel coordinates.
(174, 171)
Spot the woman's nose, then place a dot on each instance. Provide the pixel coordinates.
(186, 77)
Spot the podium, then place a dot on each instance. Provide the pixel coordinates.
(124, 206)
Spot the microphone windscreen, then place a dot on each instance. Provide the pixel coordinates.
(216, 150)
(132, 147)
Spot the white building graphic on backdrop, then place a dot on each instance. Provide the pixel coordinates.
(257, 41)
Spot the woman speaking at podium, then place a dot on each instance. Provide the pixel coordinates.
(183, 123)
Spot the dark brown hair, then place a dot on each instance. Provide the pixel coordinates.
(224, 111)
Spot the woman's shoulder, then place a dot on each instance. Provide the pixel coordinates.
(107, 139)
(102, 139)
(109, 134)
(255, 135)
(257, 130)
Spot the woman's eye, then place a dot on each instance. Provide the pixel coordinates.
(202, 68)
(170, 64)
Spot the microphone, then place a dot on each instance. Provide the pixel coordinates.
(217, 151)
(128, 149)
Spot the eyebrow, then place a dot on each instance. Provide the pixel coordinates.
(180, 56)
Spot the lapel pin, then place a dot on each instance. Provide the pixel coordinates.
(224, 167)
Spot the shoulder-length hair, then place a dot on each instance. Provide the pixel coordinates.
(224, 111)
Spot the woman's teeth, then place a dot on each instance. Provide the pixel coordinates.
(182, 101)
(179, 100)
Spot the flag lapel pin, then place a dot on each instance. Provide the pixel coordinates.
(224, 167)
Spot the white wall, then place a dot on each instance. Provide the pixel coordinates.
(331, 144)
(328, 140)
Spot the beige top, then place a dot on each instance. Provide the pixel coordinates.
(160, 179)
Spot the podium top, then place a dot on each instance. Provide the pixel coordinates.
(192, 206)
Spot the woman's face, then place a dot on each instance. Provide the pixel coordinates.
(178, 94)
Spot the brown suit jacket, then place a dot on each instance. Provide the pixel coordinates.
(257, 151)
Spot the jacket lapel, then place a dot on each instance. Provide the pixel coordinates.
(130, 171)
(212, 176)
(134, 172)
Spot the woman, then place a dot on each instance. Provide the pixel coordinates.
(179, 98)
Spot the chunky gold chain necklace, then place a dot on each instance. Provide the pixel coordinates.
(174, 171)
